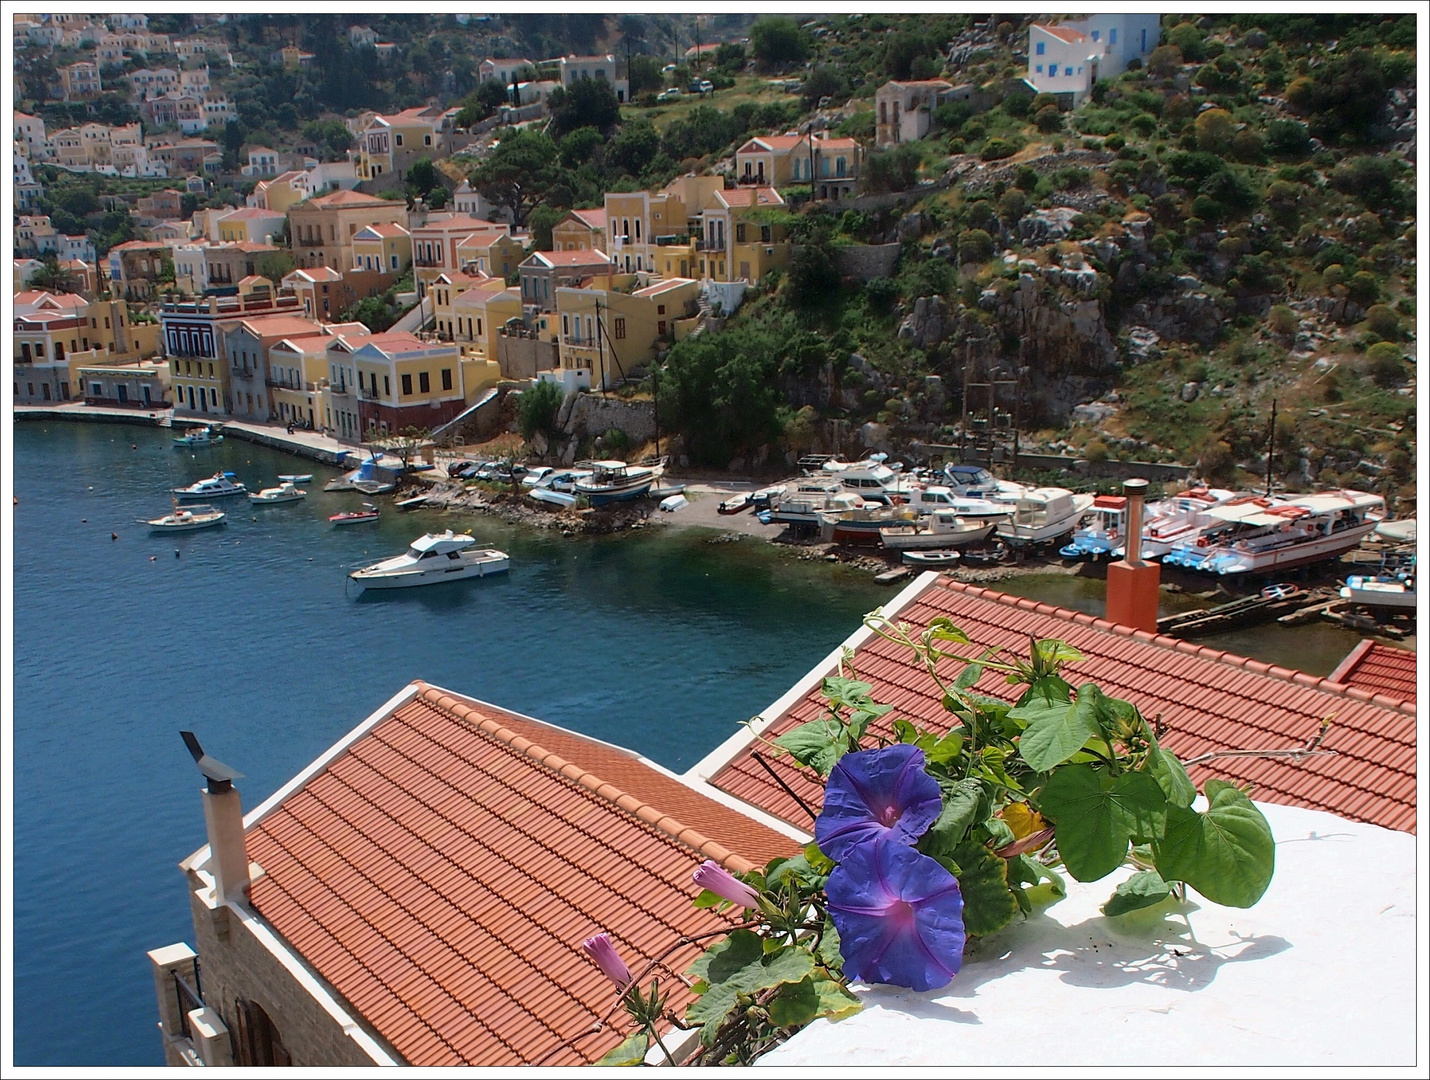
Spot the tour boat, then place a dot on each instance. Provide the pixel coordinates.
(930, 559)
(1381, 590)
(355, 517)
(1256, 535)
(615, 481)
(219, 485)
(942, 529)
(296, 478)
(187, 518)
(285, 492)
(1179, 519)
(1104, 534)
(433, 558)
(810, 498)
(202, 436)
(1043, 514)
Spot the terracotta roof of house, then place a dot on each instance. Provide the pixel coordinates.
(837, 144)
(664, 286)
(249, 213)
(580, 257)
(1378, 668)
(1063, 33)
(279, 326)
(340, 199)
(750, 196)
(385, 228)
(319, 273)
(776, 142)
(1209, 700)
(441, 871)
(458, 223)
(595, 218)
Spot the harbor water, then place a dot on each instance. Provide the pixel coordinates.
(246, 634)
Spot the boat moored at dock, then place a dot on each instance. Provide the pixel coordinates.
(369, 512)
(1257, 535)
(197, 437)
(432, 559)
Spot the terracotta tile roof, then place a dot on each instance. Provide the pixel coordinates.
(386, 228)
(341, 199)
(441, 871)
(774, 142)
(1209, 700)
(595, 218)
(1062, 33)
(582, 257)
(1380, 669)
(750, 196)
(319, 273)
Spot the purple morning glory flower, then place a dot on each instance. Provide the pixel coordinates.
(877, 793)
(899, 915)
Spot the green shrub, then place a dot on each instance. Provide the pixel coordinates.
(1282, 320)
(1364, 287)
(1114, 142)
(996, 149)
(1384, 322)
(974, 245)
(537, 407)
(1048, 119)
(1385, 364)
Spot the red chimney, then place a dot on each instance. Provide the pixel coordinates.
(1132, 585)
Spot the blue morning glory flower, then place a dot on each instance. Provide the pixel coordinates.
(899, 915)
(874, 794)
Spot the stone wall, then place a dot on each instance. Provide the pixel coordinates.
(866, 261)
(235, 964)
(523, 357)
(592, 414)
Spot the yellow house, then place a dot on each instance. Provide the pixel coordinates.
(608, 332)
(458, 242)
(321, 229)
(297, 368)
(638, 221)
(404, 382)
(491, 251)
(774, 160)
(478, 315)
(580, 230)
(385, 247)
(282, 191)
(389, 144)
(251, 224)
(742, 238)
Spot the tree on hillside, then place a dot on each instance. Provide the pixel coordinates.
(585, 103)
(720, 393)
(776, 40)
(52, 277)
(482, 102)
(520, 173)
(644, 74)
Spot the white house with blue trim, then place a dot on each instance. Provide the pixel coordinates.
(1070, 57)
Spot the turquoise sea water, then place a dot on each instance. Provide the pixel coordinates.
(660, 641)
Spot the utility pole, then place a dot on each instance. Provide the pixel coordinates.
(1271, 447)
(600, 348)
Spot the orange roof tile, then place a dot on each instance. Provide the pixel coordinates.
(441, 871)
(1063, 33)
(595, 218)
(580, 257)
(1379, 669)
(1209, 700)
(341, 199)
(750, 196)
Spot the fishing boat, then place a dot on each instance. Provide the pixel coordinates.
(285, 492)
(187, 518)
(195, 437)
(930, 560)
(1256, 535)
(219, 485)
(1041, 515)
(1379, 591)
(861, 525)
(812, 497)
(1103, 533)
(615, 481)
(355, 517)
(431, 560)
(735, 503)
(767, 497)
(942, 529)
(296, 478)
(927, 498)
(1179, 519)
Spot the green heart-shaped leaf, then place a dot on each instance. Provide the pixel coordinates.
(1227, 854)
(1096, 816)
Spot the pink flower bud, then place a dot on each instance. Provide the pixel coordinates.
(600, 949)
(711, 875)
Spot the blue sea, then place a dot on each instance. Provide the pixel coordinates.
(661, 641)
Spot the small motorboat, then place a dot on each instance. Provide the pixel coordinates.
(434, 558)
(736, 503)
(296, 478)
(550, 495)
(355, 517)
(203, 436)
(1381, 590)
(930, 558)
(665, 491)
(942, 529)
(671, 503)
(285, 492)
(219, 485)
(186, 519)
(414, 502)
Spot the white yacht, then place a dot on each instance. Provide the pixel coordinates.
(433, 558)
(1044, 514)
(942, 529)
(1179, 518)
(976, 482)
(217, 486)
(285, 492)
(812, 497)
(931, 498)
(872, 479)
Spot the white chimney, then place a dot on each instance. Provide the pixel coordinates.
(223, 817)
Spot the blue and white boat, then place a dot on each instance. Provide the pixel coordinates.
(615, 481)
(217, 486)
(1260, 535)
(1104, 534)
(195, 437)
(976, 482)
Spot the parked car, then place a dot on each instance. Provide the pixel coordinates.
(537, 477)
(455, 469)
(668, 95)
(701, 86)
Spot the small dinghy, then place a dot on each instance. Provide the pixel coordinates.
(928, 559)
(186, 519)
(355, 517)
(296, 478)
(735, 503)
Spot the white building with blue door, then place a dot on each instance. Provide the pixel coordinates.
(1069, 58)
